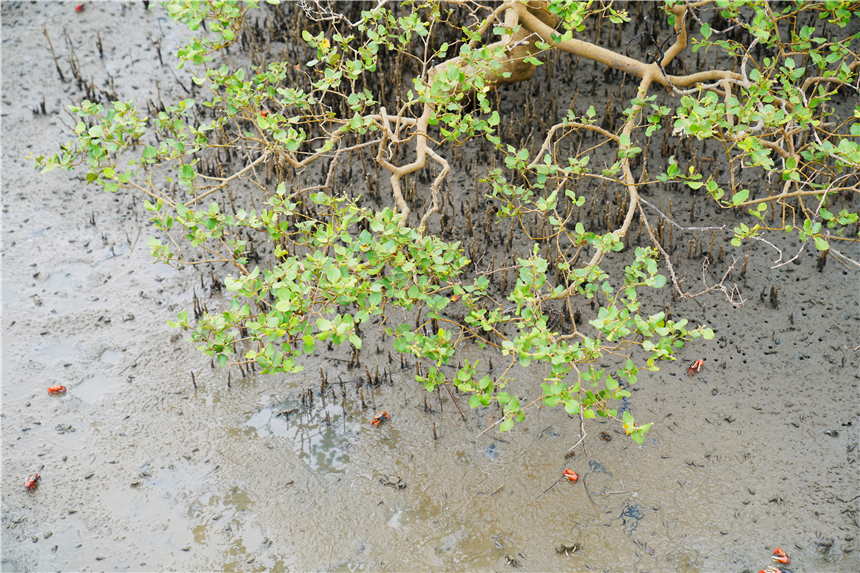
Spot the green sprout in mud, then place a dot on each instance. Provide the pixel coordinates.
(336, 266)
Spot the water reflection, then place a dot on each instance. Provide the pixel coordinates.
(320, 433)
(96, 387)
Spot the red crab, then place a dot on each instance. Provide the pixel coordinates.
(770, 570)
(57, 390)
(377, 419)
(32, 482)
(779, 555)
(695, 367)
(79, 8)
(571, 475)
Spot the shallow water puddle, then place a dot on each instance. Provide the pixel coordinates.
(67, 277)
(468, 546)
(10, 292)
(56, 351)
(223, 524)
(66, 536)
(224, 516)
(322, 444)
(110, 356)
(96, 387)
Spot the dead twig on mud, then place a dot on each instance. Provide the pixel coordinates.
(840, 258)
(585, 485)
(228, 457)
(676, 225)
(496, 423)
(497, 490)
(550, 487)
(130, 364)
(581, 432)
(730, 293)
(135, 243)
(581, 420)
(453, 399)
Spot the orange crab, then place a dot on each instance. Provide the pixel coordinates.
(779, 555)
(57, 390)
(695, 367)
(32, 482)
(571, 475)
(377, 419)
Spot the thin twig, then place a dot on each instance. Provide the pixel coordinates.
(585, 486)
(549, 488)
(676, 225)
(453, 399)
(496, 423)
(228, 457)
(581, 431)
(838, 254)
(228, 179)
(135, 243)
(495, 492)
(130, 364)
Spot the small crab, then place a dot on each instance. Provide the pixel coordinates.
(780, 556)
(377, 419)
(695, 367)
(32, 482)
(57, 390)
(571, 475)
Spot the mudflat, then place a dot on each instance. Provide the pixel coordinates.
(142, 471)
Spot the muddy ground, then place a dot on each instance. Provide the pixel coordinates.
(141, 472)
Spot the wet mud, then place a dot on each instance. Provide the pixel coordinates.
(144, 468)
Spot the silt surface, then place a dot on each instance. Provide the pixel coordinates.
(140, 471)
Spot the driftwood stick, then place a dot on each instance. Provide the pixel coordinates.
(453, 399)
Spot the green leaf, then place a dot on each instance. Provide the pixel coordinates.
(309, 345)
(356, 341)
